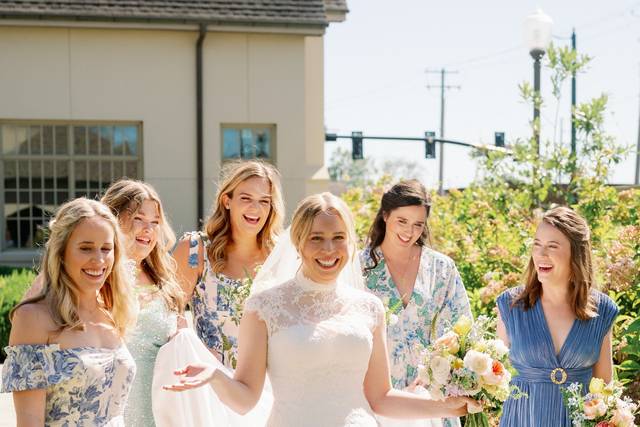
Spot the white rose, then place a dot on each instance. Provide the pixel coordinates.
(440, 369)
(478, 362)
(393, 319)
(499, 347)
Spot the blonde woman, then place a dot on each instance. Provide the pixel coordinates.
(214, 264)
(148, 238)
(66, 361)
(319, 337)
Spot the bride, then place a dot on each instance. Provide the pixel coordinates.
(320, 338)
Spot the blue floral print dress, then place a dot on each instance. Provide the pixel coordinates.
(214, 305)
(85, 386)
(438, 300)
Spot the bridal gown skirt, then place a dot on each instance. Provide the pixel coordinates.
(198, 407)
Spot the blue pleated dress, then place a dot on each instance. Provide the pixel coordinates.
(533, 355)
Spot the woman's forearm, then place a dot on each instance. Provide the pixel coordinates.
(233, 393)
(404, 405)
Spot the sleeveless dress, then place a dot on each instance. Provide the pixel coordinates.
(85, 386)
(533, 355)
(214, 303)
(438, 300)
(320, 339)
(154, 326)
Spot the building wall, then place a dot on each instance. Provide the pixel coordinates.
(51, 73)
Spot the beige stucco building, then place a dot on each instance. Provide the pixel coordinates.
(90, 94)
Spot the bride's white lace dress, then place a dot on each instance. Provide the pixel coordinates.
(320, 339)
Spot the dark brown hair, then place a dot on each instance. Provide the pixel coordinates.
(576, 229)
(405, 193)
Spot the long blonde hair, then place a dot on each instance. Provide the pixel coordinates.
(124, 197)
(218, 225)
(576, 229)
(60, 293)
(310, 207)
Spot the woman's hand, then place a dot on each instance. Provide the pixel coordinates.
(192, 376)
(462, 405)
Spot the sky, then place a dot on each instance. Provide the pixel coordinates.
(375, 79)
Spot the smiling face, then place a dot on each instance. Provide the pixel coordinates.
(141, 230)
(552, 256)
(89, 253)
(249, 205)
(404, 225)
(325, 251)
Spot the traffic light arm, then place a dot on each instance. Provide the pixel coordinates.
(482, 147)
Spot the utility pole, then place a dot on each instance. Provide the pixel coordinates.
(442, 88)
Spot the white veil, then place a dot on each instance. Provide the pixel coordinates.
(283, 263)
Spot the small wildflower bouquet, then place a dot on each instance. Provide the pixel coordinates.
(469, 361)
(603, 406)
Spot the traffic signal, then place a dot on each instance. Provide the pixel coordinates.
(356, 146)
(330, 137)
(499, 138)
(429, 145)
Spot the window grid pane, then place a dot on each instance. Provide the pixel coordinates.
(45, 165)
(247, 142)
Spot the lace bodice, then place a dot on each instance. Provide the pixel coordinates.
(320, 339)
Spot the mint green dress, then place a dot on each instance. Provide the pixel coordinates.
(155, 325)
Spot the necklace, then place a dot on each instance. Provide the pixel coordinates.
(399, 276)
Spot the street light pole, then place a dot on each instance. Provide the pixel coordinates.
(537, 55)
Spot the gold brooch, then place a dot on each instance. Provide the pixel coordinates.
(554, 376)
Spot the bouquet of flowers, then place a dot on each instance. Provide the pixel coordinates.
(469, 361)
(603, 406)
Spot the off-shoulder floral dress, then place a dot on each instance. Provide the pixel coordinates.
(85, 386)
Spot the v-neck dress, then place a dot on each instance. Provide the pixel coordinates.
(438, 300)
(542, 372)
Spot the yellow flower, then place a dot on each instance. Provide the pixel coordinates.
(457, 363)
(462, 326)
(596, 386)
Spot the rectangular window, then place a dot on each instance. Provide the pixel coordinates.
(243, 141)
(44, 164)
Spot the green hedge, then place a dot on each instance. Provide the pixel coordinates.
(13, 284)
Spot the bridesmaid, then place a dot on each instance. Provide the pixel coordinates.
(420, 286)
(557, 325)
(213, 265)
(149, 238)
(66, 361)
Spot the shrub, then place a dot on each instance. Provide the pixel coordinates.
(12, 288)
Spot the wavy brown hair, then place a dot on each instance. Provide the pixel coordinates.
(405, 193)
(581, 281)
(124, 198)
(218, 225)
(60, 293)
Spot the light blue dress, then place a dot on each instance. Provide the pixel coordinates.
(154, 326)
(85, 386)
(533, 355)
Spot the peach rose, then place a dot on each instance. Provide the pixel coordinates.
(448, 342)
(594, 408)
